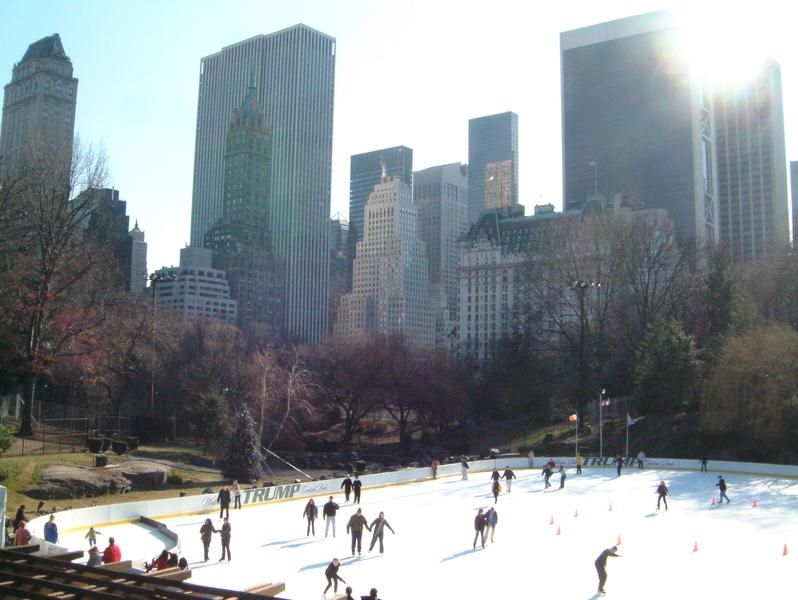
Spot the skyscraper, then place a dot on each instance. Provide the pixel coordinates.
(293, 71)
(636, 122)
(794, 194)
(441, 197)
(339, 264)
(39, 106)
(752, 169)
(241, 238)
(492, 151)
(390, 291)
(138, 260)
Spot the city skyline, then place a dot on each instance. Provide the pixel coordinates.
(153, 77)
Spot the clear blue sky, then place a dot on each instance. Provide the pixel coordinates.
(408, 72)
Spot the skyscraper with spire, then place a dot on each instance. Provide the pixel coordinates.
(293, 71)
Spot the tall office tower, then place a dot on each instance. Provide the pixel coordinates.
(365, 171)
(492, 151)
(339, 264)
(636, 123)
(138, 260)
(752, 167)
(390, 291)
(440, 195)
(293, 71)
(794, 194)
(39, 107)
(241, 238)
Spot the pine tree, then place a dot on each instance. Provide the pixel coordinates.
(242, 458)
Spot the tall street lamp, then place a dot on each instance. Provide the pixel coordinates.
(580, 286)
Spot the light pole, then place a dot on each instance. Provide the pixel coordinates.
(580, 286)
(601, 423)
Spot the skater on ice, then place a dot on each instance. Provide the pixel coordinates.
(310, 513)
(479, 528)
(546, 475)
(346, 485)
(328, 514)
(206, 532)
(357, 485)
(377, 529)
(578, 463)
(618, 461)
(236, 494)
(464, 468)
(601, 566)
(703, 463)
(509, 476)
(491, 520)
(641, 457)
(562, 477)
(224, 501)
(225, 535)
(355, 525)
(331, 573)
(495, 475)
(721, 485)
(434, 468)
(495, 488)
(662, 491)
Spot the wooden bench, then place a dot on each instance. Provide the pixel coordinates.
(28, 549)
(172, 573)
(122, 565)
(267, 589)
(68, 555)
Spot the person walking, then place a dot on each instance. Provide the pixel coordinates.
(479, 528)
(578, 463)
(22, 535)
(377, 528)
(51, 531)
(641, 457)
(355, 525)
(20, 516)
(112, 553)
(703, 462)
(562, 477)
(311, 513)
(225, 535)
(508, 475)
(601, 566)
(495, 488)
(721, 485)
(206, 532)
(464, 469)
(328, 514)
(91, 535)
(331, 573)
(491, 520)
(662, 491)
(346, 485)
(618, 461)
(224, 502)
(357, 485)
(434, 468)
(236, 494)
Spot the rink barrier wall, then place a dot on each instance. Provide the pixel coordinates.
(130, 512)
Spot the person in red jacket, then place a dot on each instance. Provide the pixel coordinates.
(112, 553)
(159, 562)
(21, 535)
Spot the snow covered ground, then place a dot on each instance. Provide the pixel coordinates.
(739, 547)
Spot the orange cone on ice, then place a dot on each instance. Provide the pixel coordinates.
(576, 513)
(754, 505)
(610, 508)
(618, 543)
(784, 552)
(695, 546)
(551, 520)
(558, 530)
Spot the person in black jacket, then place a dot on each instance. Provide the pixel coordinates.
(601, 566)
(495, 488)
(356, 486)
(662, 491)
(224, 501)
(479, 527)
(346, 485)
(495, 475)
(378, 526)
(206, 532)
(618, 461)
(328, 514)
(509, 476)
(310, 513)
(372, 595)
(721, 485)
(331, 573)
(356, 524)
(546, 475)
(225, 533)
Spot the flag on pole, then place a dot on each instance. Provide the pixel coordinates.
(629, 420)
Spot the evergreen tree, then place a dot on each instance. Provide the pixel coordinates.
(242, 458)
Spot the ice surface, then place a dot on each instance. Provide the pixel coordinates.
(739, 547)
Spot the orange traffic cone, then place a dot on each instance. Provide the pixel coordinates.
(754, 504)
(784, 552)
(558, 530)
(551, 520)
(610, 508)
(695, 546)
(713, 501)
(576, 513)
(618, 543)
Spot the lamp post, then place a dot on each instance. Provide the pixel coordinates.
(580, 286)
(601, 423)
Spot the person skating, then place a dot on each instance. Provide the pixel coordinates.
(225, 535)
(662, 491)
(357, 485)
(479, 528)
(355, 525)
(464, 469)
(703, 462)
(328, 514)
(495, 488)
(310, 513)
(224, 502)
(51, 530)
(578, 463)
(546, 475)
(346, 485)
(721, 485)
(641, 457)
(495, 475)
(509, 476)
(206, 532)
(91, 535)
(236, 494)
(112, 553)
(331, 573)
(562, 477)
(601, 566)
(377, 528)
(618, 461)
(491, 520)
(434, 468)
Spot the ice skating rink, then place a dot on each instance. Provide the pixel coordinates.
(739, 547)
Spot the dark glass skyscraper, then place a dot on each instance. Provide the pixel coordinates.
(492, 150)
(294, 72)
(635, 122)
